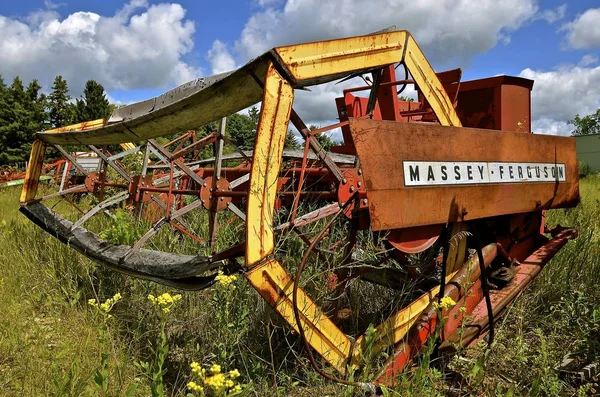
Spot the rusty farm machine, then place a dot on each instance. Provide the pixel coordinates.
(441, 197)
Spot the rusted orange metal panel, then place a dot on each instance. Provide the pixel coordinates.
(498, 103)
(456, 174)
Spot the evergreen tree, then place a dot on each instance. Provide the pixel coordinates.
(241, 129)
(291, 143)
(61, 112)
(93, 104)
(324, 139)
(4, 119)
(15, 133)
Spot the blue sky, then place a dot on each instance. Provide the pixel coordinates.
(139, 48)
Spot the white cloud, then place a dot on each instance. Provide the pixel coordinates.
(584, 31)
(220, 58)
(264, 3)
(449, 33)
(49, 4)
(588, 60)
(551, 127)
(447, 30)
(140, 46)
(552, 16)
(558, 95)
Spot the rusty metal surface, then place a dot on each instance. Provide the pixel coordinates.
(457, 289)
(499, 103)
(383, 146)
(526, 272)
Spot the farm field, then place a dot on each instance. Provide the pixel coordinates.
(54, 342)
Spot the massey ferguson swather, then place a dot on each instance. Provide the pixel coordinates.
(447, 193)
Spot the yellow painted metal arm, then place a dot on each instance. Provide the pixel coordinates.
(310, 62)
(270, 138)
(275, 285)
(34, 170)
(431, 87)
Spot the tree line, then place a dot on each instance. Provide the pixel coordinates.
(27, 110)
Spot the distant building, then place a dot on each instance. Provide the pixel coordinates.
(588, 150)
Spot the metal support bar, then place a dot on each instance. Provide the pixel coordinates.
(125, 153)
(64, 175)
(178, 163)
(71, 159)
(233, 208)
(100, 206)
(114, 165)
(239, 181)
(194, 146)
(316, 146)
(157, 153)
(74, 189)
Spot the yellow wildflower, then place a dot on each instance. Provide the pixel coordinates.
(193, 386)
(224, 280)
(445, 303)
(237, 389)
(165, 301)
(215, 369)
(92, 302)
(234, 373)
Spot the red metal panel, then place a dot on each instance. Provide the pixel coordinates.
(499, 103)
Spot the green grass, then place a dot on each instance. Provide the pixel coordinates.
(49, 334)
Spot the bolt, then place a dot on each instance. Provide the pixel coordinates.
(204, 184)
(210, 190)
(202, 201)
(365, 201)
(351, 189)
(360, 171)
(359, 183)
(344, 181)
(210, 197)
(218, 178)
(222, 198)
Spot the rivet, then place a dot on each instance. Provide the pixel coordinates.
(365, 201)
(344, 181)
